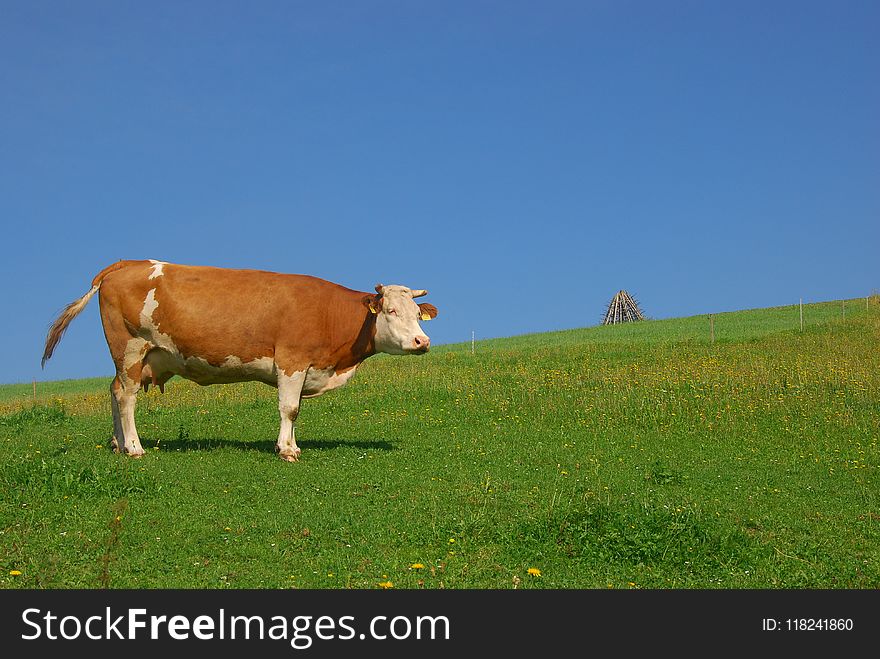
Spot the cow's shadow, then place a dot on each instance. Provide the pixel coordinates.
(265, 445)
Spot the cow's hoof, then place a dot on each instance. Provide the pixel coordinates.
(136, 454)
(290, 457)
(114, 445)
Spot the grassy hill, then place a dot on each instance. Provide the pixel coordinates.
(636, 456)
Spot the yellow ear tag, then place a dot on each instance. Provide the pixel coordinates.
(426, 316)
(372, 309)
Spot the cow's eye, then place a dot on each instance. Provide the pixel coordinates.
(393, 312)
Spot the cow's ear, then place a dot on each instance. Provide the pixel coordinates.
(373, 303)
(427, 311)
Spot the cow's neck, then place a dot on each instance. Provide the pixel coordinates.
(353, 352)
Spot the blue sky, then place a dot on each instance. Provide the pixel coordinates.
(522, 161)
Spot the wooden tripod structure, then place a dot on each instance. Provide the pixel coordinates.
(622, 309)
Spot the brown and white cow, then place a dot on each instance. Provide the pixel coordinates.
(301, 334)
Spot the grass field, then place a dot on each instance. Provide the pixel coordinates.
(637, 456)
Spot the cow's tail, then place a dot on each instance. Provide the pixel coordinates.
(72, 310)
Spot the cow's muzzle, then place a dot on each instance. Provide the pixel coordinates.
(421, 344)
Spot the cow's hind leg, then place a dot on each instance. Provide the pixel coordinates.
(289, 394)
(117, 419)
(123, 399)
(128, 351)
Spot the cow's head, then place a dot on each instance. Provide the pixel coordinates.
(397, 320)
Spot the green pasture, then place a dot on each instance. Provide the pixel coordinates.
(634, 456)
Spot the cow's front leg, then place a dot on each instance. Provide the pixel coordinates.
(289, 395)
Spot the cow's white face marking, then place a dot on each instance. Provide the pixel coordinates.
(397, 325)
(156, 270)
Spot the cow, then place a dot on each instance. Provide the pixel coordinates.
(298, 333)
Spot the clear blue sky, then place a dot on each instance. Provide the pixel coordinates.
(521, 160)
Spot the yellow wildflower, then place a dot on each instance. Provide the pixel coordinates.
(416, 566)
(535, 572)
(386, 585)
(15, 573)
